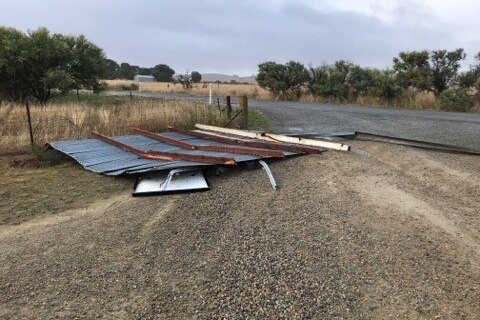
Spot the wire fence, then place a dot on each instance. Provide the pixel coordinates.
(77, 121)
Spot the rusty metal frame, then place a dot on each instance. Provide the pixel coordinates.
(164, 155)
(167, 140)
(129, 148)
(194, 157)
(250, 143)
(223, 149)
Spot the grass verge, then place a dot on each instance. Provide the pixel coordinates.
(29, 188)
(257, 121)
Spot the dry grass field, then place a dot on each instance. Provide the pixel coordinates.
(250, 90)
(72, 120)
(418, 101)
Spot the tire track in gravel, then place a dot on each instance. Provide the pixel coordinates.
(452, 181)
(393, 198)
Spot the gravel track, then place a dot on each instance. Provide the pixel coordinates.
(382, 232)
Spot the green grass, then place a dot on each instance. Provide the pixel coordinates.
(42, 188)
(257, 121)
(95, 100)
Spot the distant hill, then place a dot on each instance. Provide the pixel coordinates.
(212, 77)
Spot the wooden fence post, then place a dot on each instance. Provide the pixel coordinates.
(229, 108)
(244, 109)
(32, 143)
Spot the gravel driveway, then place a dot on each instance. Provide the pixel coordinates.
(379, 233)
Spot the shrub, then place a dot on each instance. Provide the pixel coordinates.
(129, 86)
(455, 100)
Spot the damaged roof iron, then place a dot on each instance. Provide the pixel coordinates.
(148, 151)
(184, 153)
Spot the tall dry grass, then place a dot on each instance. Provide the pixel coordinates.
(409, 100)
(415, 101)
(419, 101)
(250, 90)
(76, 120)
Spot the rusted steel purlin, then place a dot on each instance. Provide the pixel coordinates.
(168, 140)
(224, 149)
(164, 155)
(129, 148)
(250, 143)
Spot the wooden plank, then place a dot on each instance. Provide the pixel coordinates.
(274, 145)
(276, 137)
(249, 143)
(223, 149)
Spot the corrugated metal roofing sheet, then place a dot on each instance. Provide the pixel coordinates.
(98, 156)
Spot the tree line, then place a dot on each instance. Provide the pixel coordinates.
(415, 71)
(161, 72)
(39, 65)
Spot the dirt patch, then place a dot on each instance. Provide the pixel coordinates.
(379, 233)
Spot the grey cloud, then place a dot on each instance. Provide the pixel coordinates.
(232, 37)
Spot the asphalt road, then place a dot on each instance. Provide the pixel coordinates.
(459, 129)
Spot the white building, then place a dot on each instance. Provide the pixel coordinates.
(142, 78)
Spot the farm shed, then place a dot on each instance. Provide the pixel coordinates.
(143, 78)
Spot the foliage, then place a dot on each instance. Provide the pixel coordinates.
(283, 81)
(129, 87)
(127, 72)
(40, 65)
(444, 66)
(163, 73)
(145, 71)
(384, 84)
(434, 71)
(413, 70)
(455, 100)
(196, 76)
(471, 78)
(412, 75)
(185, 80)
(343, 80)
(112, 69)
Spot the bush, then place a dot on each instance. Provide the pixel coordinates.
(455, 100)
(129, 86)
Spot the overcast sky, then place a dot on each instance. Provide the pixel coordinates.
(233, 37)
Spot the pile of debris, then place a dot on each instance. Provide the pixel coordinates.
(174, 161)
